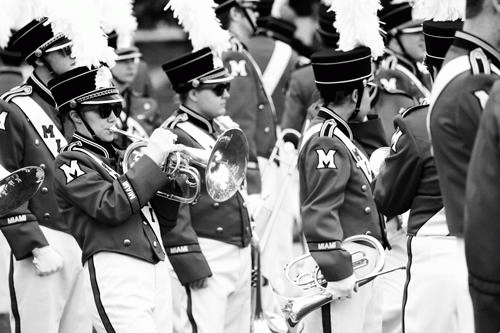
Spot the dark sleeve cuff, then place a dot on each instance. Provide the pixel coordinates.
(335, 264)
(23, 238)
(189, 266)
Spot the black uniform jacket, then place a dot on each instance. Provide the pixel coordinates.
(454, 119)
(482, 227)
(21, 146)
(226, 221)
(335, 194)
(409, 178)
(104, 212)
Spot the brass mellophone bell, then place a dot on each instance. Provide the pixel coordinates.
(225, 166)
(18, 187)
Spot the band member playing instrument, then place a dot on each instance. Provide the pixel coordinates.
(108, 212)
(217, 299)
(45, 275)
(335, 193)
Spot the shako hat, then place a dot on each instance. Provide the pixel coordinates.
(341, 70)
(122, 52)
(194, 69)
(264, 8)
(438, 36)
(397, 18)
(83, 86)
(327, 31)
(37, 38)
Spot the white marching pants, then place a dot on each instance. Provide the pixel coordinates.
(223, 306)
(129, 295)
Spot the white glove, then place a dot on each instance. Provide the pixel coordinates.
(343, 288)
(161, 143)
(46, 260)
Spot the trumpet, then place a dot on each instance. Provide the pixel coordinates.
(304, 277)
(225, 166)
(19, 186)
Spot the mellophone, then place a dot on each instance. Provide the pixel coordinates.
(368, 258)
(225, 167)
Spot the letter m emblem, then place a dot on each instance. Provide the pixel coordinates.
(238, 68)
(326, 160)
(71, 171)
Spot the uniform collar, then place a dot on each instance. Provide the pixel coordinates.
(327, 113)
(197, 119)
(40, 88)
(105, 149)
(470, 42)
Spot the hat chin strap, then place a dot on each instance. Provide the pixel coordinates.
(254, 26)
(87, 126)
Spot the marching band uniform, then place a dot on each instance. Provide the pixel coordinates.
(109, 215)
(31, 133)
(223, 228)
(399, 71)
(336, 197)
(458, 98)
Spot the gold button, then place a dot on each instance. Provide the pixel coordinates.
(145, 223)
(46, 216)
(368, 210)
(37, 142)
(267, 129)
(44, 190)
(42, 166)
(216, 205)
(155, 243)
(220, 230)
(126, 242)
(364, 188)
(261, 106)
(244, 204)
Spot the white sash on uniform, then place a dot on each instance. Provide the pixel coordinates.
(45, 127)
(276, 66)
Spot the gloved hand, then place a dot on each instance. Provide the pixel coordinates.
(161, 143)
(46, 260)
(343, 288)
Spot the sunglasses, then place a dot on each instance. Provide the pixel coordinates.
(220, 88)
(104, 110)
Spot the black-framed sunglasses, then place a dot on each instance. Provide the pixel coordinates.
(104, 110)
(66, 51)
(220, 88)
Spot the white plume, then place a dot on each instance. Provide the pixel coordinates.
(78, 21)
(357, 24)
(198, 19)
(118, 16)
(439, 10)
(14, 14)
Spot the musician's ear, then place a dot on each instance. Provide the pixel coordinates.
(75, 117)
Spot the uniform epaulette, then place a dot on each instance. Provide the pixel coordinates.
(24, 90)
(70, 146)
(409, 110)
(173, 120)
(328, 127)
(479, 62)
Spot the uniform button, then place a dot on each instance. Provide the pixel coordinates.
(155, 243)
(216, 205)
(244, 204)
(37, 142)
(126, 242)
(145, 223)
(44, 190)
(220, 230)
(42, 166)
(267, 129)
(364, 188)
(261, 106)
(368, 210)
(46, 216)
